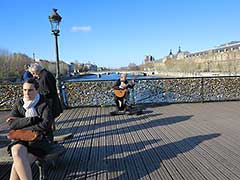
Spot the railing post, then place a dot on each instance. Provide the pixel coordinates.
(202, 90)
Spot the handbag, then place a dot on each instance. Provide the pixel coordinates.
(23, 135)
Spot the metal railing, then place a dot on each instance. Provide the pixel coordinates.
(160, 90)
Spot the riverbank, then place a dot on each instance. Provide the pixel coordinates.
(108, 76)
(195, 74)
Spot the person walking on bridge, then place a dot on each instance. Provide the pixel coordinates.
(47, 83)
(27, 74)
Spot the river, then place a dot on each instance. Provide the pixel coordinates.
(109, 76)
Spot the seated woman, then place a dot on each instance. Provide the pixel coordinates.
(30, 112)
(121, 92)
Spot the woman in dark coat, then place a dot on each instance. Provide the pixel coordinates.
(31, 112)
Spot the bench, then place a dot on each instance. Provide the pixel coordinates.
(4, 141)
(49, 160)
(44, 163)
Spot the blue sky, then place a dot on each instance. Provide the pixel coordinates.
(114, 33)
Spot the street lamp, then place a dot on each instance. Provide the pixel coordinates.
(55, 20)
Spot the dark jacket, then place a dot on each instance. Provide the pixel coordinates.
(27, 75)
(118, 83)
(41, 123)
(48, 88)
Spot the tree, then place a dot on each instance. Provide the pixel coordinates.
(12, 65)
(132, 67)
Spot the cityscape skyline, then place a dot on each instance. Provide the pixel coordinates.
(116, 33)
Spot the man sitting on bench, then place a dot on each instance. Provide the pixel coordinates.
(121, 92)
(31, 112)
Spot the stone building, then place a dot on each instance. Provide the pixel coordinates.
(225, 52)
(148, 58)
(222, 59)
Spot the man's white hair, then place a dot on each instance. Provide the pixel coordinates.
(35, 67)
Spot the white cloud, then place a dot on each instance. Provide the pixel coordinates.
(81, 29)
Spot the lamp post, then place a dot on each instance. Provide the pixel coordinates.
(55, 20)
(33, 56)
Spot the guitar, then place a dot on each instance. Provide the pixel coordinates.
(120, 92)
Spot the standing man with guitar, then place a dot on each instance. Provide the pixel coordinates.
(121, 92)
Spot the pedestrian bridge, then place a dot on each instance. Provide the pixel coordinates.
(188, 141)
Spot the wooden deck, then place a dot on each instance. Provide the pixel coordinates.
(171, 142)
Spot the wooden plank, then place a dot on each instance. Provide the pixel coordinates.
(127, 145)
(180, 144)
(70, 144)
(5, 168)
(64, 122)
(179, 141)
(158, 168)
(218, 170)
(171, 151)
(144, 167)
(76, 165)
(93, 154)
(120, 156)
(114, 166)
(219, 151)
(101, 161)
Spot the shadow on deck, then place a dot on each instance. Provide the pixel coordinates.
(178, 141)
